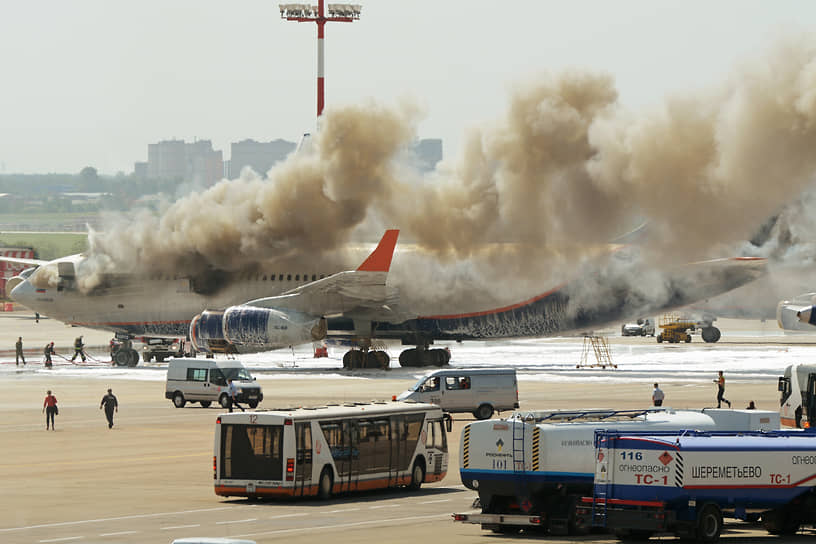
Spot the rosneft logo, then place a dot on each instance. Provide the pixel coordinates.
(499, 444)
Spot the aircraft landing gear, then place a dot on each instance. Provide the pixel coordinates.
(358, 358)
(422, 356)
(710, 334)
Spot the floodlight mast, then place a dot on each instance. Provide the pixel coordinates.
(305, 13)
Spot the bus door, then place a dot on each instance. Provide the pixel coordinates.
(354, 453)
(399, 454)
(303, 458)
(809, 402)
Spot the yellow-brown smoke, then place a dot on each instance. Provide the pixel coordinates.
(565, 172)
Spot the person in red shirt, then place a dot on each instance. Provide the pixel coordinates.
(50, 409)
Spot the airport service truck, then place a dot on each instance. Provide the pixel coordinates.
(683, 483)
(797, 403)
(532, 469)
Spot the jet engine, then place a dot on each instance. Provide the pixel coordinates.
(246, 329)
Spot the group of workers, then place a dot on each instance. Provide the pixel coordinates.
(48, 351)
(109, 402)
(658, 395)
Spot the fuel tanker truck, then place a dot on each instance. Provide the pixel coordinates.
(684, 483)
(532, 469)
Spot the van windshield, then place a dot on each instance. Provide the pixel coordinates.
(236, 374)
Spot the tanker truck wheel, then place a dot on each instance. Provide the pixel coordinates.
(709, 523)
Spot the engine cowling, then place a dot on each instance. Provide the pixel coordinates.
(245, 329)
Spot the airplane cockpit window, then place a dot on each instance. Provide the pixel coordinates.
(27, 272)
(46, 276)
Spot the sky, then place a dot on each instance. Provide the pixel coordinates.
(92, 82)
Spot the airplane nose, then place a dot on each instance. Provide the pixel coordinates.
(807, 315)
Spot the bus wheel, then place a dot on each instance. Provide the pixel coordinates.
(324, 487)
(178, 400)
(709, 524)
(417, 475)
(224, 400)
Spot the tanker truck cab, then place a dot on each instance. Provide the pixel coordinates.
(206, 381)
(480, 391)
(797, 389)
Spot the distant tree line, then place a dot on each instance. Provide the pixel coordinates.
(44, 192)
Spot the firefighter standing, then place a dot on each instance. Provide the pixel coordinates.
(48, 351)
(78, 349)
(19, 351)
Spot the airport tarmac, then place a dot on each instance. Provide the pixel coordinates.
(149, 479)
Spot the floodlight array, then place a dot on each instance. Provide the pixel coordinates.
(345, 10)
(297, 10)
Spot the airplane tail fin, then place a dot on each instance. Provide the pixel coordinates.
(380, 258)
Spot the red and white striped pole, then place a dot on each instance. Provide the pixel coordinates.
(321, 24)
(304, 13)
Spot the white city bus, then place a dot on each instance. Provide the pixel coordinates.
(330, 449)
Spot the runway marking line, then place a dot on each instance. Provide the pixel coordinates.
(64, 539)
(345, 525)
(236, 521)
(345, 510)
(119, 533)
(433, 502)
(179, 527)
(100, 520)
(384, 506)
(288, 516)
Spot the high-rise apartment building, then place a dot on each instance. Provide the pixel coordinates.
(260, 156)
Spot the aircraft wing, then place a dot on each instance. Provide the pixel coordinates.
(27, 262)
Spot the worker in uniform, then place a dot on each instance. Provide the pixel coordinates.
(232, 389)
(111, 405)
(48, 351)
(19, 351)
(78, 349)
(657, 396)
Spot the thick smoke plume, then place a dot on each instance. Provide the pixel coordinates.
(566, 171)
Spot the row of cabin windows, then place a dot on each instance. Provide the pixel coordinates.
(256, 277)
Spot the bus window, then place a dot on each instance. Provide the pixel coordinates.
(436, 437)
(252, 451)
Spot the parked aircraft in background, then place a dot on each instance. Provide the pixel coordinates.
(278, 304)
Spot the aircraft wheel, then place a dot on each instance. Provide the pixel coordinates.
(121, 358)
(711, 334)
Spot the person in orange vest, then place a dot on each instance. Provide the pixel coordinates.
(720, 381)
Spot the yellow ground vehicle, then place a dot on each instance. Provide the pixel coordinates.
(674, 328)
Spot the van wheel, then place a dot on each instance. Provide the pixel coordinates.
(178, 400)
(483, 412)
(709, 524)
(417, 475)
(325, 484)
(206, 403)
(224, 400)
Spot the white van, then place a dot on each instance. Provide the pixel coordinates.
(205, 381)
(477, 390)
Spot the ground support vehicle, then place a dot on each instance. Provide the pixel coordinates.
(684, 483)
(161, 349)
(642, 327)
(531, 470)
(480, 391)
(330, 449)
(674, 329)
(207, 381)
(797, 403)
